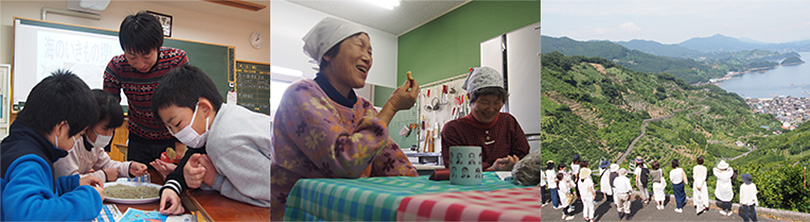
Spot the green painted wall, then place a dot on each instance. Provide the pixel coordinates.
(450, 45)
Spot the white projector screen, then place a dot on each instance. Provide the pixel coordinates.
(40, 50)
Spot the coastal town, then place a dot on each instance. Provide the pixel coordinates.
(791, 111)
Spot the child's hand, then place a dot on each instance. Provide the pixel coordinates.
(137, 169)
(194, 171)
(174, 206)
(163, 167)
(211, 174)
(112, 174)
(100, 191)
(91, 181)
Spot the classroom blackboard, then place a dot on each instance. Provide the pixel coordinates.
(87, 50)
(253, 86)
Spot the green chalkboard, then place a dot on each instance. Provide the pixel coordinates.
(215, 60)
(253, 86)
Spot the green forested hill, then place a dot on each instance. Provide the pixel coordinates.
(652, 57)
(689, 70)
(596, 108)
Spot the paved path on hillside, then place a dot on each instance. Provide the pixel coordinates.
(744, 154)
(645, 124)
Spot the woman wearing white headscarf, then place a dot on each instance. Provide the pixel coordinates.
(323, 129)
(498, 134)
(724, 192)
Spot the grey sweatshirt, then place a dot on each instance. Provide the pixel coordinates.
(239, 144)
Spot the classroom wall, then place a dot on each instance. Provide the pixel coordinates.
(189, 25)
(290, 22)
(449, 45)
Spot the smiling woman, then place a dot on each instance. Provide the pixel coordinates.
(498, 134)
(323, 129)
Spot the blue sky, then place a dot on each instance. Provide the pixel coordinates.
(670, 21)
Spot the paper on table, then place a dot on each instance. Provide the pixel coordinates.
(109, 213)
(181, 218)
(135, 215)
(503, 175)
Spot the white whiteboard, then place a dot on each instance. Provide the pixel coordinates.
(39, 50)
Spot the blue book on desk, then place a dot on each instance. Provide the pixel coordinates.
(135, 215)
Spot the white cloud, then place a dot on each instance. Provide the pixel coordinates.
(630, 27)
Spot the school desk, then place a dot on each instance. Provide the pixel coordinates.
(212, 205)
(381, 198)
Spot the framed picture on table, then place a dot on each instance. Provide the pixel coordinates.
(165, 21)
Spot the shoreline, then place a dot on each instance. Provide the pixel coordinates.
(729, 75)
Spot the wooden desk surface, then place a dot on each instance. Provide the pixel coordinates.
(220, 208)
(209, 202)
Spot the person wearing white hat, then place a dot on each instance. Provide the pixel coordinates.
(323, 129)
(498, 134)
(623, 190)
(724, 191)
(586, 191)
(679, 181)
(614, 172)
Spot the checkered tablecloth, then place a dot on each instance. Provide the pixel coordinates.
(369, 199)
(518, 204)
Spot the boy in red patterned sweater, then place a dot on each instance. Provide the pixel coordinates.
(137, 72)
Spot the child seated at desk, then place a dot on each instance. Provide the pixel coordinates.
(59, 108)
(88, 156)
(229, 146)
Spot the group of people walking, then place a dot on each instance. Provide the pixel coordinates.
(565, 187)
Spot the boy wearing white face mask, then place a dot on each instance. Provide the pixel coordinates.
(230, 148)
(88, 156)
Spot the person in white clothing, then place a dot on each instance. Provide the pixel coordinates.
(575, 165)
(565, 184)
(543, 188)
(88, 156)
(659, 183)
(679, 181)
(614, 172)
(551, 182)
(586, 191)
(623, 190)
(642, 176)
(723, 192)
(604, 181)
(748, 198)
(699, 188)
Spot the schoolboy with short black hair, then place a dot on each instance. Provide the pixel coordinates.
(137, 72)
(88, 157)
(237, 141)
(58, 109)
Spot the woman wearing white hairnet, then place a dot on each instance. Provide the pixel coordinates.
(498, 134)
(322, 129)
